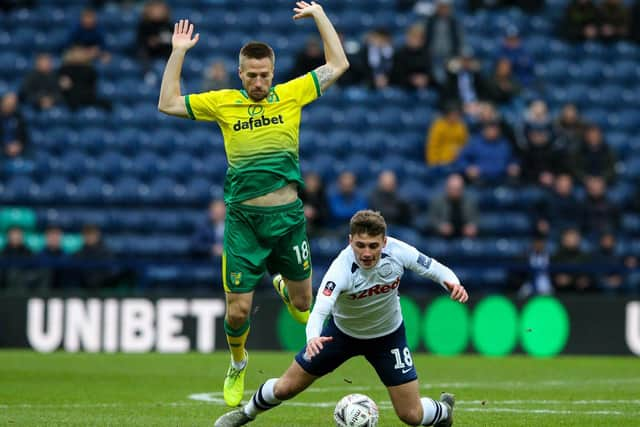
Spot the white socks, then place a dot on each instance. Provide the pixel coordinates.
(432, 411)
(263, 400)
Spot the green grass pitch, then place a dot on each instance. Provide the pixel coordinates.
(64, 389)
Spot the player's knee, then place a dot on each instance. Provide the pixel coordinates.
(302, 302)
(411, 416)
(237, 316)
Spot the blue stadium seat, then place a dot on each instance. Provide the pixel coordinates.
(90, 189)
(75, 164)
(56, 188)
(128, 189)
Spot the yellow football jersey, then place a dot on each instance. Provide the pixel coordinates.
(260, 138)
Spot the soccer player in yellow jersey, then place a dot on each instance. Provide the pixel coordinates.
(265, 224)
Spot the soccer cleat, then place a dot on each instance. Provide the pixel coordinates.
(448, 400)
(300, 316)
(234, 383)
(233, 419)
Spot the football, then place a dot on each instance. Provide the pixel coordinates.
(356, 410)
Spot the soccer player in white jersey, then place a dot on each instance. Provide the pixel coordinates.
(360, 294)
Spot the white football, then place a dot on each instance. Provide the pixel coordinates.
(356, 410)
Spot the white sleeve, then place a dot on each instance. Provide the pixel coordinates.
(333, 283)
(426, 267)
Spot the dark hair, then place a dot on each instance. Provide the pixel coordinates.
(257, 50)
(368, 222)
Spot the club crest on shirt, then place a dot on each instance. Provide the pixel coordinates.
(424, 261)
(328, 288)
(385, 270)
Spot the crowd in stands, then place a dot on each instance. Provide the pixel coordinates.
(565, 155)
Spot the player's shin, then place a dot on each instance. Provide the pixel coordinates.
(237, 338)
(432, 411)
(263, 399)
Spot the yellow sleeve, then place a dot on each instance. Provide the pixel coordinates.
(203, 106)
(304, 89)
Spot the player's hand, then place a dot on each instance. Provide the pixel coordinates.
(182, 32)
(305, 10)
(457, 291)
(315, 345)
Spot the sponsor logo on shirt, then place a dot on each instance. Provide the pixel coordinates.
(257, 119)
(376, 290)
(328, 288)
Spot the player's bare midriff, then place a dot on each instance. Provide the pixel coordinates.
(281, 196)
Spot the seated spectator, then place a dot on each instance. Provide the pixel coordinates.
(600, 215)
(488, 158)
(310, 58)
(216, 77)
(88, 36)
(316, 207)
(386, 200)
(502, 87)
(594, 157)
(559, 208)
(13, 130)
(614, 20)
(521, 61)
(445, 39)
(581, 20)
(542, 159)
(612, 279)
(94, 250)
(453, 213)
(487, 112)
(465, 83)
(208, 238)
(40, 87)
(569, 127)
(411, 66)
(54, 276)
(377, 59)
(536, 281)
(16, 279)
(568, 257)
(78, 81)
(447, 136)
(155, 31)
(345, 199)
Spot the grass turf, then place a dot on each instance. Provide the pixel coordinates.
(158, 390)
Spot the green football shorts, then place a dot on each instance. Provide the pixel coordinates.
(270, 238)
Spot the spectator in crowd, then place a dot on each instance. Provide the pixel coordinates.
(612, 278)
(88, 36)
(40, 87)
(559, 208)
(614, 20)
(594, 157)
(94, 250)
(634, 30)
(447, 136)
(570, 256)
(521, 61)
(453, 213)
(345, 200)
(445, 39)
(309, 58)
(53, 276)
(465, 83)
(216, 77)
(78, 80)
(13, 129)
(411, 65)
(386, 200)
(537, 280)
(600, 214)
(208, 237)
(581, 20)
(502, 87)
(154, 33)
(316, 207)
(16, 279)
(569, 127)
(487, 112)
(377, 58)
(488, 158)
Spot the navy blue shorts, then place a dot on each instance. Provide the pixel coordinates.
(389, 355)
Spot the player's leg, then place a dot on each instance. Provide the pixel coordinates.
(243, 263)
(291, 257)
(416, 411)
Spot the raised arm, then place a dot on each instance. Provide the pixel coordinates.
(171, 101)
(337, 62)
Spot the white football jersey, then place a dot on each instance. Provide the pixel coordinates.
(365, 303)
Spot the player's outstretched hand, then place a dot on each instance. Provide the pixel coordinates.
(458, 292)
(314, 345)
(305, 10)
(182, 32)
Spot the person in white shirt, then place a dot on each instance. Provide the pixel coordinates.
(360, 294)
